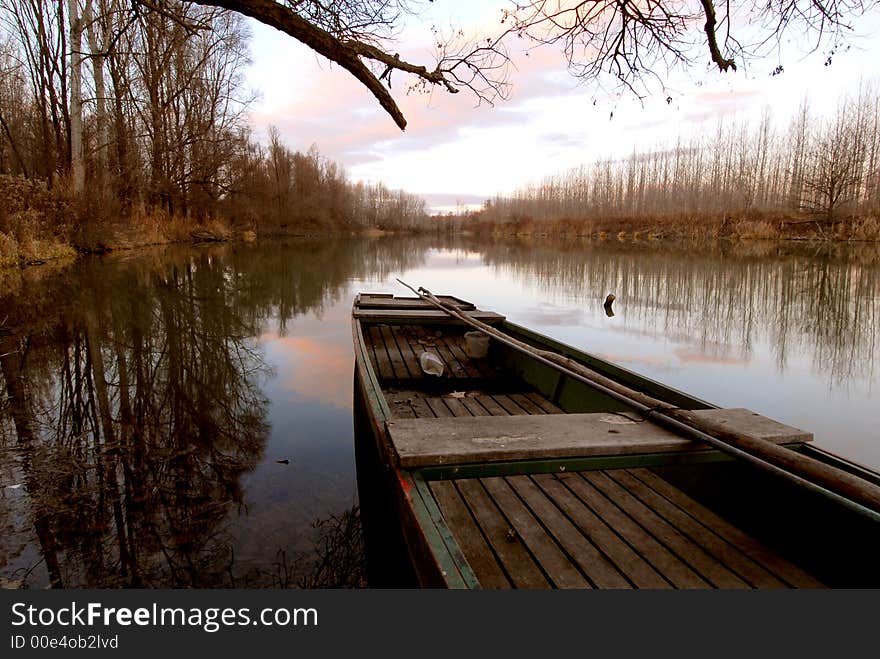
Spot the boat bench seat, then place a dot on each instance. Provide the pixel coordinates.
(425, 442)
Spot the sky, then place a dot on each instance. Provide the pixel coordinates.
(456, 152)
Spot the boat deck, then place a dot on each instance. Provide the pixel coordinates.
(468, 387)
(395, 350)
(617, 528)
(607, 527)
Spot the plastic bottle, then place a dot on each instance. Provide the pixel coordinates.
(431, 363)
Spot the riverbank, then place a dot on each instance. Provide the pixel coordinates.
(39, 225)
(25, 247)
(28, 244)
(681, 227)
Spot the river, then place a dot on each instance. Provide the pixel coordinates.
(182, 417)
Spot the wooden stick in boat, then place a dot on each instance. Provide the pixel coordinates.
(846, 488)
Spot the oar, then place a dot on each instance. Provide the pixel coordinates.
(846, 489)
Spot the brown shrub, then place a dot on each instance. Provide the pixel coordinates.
(35, 222)
(756, 230)
(866, 228)
(8, 251)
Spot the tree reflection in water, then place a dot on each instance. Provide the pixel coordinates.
(339, 560)
(816, 300)
(133, 412)
(133, 407)
(135, 416)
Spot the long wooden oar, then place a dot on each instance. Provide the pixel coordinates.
(847, 489)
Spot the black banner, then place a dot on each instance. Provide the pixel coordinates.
(139, 623)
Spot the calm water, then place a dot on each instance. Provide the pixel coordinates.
(183, 418)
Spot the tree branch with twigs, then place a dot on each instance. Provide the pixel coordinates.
(632, 40)
(352, 39)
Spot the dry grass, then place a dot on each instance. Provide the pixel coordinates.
(25, 242)
(756, 230)
(38, 225)
(8, 251)
(10, 282)
(35, 222)
(746, 225)
(867, 228)
(145, 227)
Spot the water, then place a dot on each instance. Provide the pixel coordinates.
(183, 417)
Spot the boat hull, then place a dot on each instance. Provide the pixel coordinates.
(822, 543)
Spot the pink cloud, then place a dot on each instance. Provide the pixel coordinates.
(344, 120)
(712, 105)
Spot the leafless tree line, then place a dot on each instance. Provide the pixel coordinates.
(281, 187)
(136, 106)
(821, 168)
(113, 97)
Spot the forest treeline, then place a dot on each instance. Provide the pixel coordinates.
(816, 173)
(115, 115)
(124, 123)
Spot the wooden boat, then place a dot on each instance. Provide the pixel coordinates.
(504, 472)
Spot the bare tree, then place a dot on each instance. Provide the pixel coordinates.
(39, 28)
(833, 181)
(823, 169)
(13, 110)
(98, 35)
(75, 23)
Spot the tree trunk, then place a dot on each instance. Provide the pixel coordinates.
(98, 56)
(77, 169)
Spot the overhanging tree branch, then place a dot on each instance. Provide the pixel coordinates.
(350, 53)
(286, 20)
(722, 62)
(631, 40)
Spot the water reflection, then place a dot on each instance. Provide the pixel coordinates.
(135, 408)
(183, 418)
(821, 301)
(134, 417)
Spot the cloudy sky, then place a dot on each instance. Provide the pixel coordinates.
(454, 151)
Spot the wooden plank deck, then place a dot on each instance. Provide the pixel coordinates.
(386, 301)
(618, 528)
(415, 404)
(395, 351)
